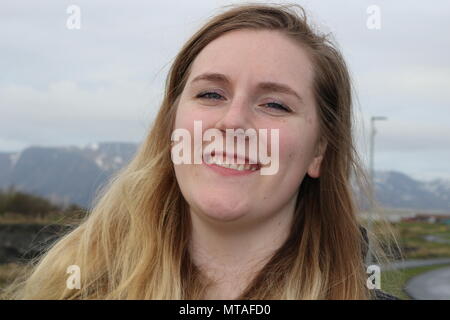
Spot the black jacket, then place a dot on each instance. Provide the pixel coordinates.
(381, 295)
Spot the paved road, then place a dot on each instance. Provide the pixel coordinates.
(431, 285)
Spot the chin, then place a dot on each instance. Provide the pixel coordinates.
(224, 216)
(223, 209)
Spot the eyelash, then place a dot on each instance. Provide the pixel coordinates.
(281, 107)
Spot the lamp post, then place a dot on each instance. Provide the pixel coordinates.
(372, 182)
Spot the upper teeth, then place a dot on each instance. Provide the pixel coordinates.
(240, 167)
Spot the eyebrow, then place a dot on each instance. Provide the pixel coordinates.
(266, 86)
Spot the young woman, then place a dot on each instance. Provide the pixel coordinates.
(208, 230)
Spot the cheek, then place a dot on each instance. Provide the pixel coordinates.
(296, 147)
(188, 112)
(184, 119)
(290, 141)
(290, 149)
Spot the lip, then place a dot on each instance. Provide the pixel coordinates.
(228, 171)
(239, 159)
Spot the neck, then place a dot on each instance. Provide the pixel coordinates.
(231, 256)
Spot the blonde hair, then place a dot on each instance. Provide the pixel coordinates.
(133, 244)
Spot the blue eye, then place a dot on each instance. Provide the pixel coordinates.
(278, 106)
(210, 95)
(216, 96)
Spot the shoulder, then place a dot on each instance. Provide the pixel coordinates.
(381, 295)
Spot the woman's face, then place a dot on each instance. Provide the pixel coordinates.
(247, 58)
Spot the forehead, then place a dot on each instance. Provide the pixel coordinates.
(256, 55)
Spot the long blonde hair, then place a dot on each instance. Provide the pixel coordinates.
(133, 244)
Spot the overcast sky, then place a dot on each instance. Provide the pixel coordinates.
(104, 81)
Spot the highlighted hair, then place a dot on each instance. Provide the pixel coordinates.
(133, 244)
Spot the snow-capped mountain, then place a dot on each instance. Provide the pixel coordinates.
(398, 190)
(64, 174)
(73, 174)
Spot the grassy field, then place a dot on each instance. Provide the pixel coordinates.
(413, 244)
(52, 218)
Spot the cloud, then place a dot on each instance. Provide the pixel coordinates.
(65, 112)
(105, 81)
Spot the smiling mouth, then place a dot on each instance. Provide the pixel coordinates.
(218, 160)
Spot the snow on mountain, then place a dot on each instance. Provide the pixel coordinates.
(69, 173)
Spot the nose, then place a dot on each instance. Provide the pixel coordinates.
(236, 116)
